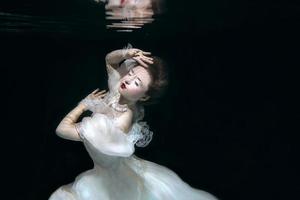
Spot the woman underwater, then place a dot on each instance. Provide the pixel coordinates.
(110, 133)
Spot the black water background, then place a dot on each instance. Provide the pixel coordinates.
(227, 124)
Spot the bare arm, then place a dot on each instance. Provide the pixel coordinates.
(114, 58)
(66, 128)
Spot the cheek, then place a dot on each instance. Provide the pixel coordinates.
(136, 91)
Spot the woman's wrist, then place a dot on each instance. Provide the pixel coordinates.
(126, 54)
(82, 106)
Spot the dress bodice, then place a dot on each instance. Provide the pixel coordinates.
(104, 141)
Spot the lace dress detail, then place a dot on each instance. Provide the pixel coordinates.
(139, 134)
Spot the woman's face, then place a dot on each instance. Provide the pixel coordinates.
(135, 84)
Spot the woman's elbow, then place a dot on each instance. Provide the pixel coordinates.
(68, 133)
(108, 58)
(59, 131)
(62, 129)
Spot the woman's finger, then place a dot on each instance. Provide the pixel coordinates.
(146, 53)
(140, 61)
(147, 60)
(134, 52)
(98, 92)
(101, 94)
(95, 91)
(102, 91)
(147, 57)
(137, 51)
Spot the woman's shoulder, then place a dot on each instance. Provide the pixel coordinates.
(124, 121)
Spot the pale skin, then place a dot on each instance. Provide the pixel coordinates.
(136, 83)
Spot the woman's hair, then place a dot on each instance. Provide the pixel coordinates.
(158, 6)
(159, 80)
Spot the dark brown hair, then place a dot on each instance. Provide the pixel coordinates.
(158, 6)
(159, 80)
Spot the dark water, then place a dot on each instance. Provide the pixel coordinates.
(226, 124)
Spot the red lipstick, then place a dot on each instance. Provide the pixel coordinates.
(123, 86)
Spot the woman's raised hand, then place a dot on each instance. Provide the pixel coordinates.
(96, 94)
(142, 57)
(91, 100)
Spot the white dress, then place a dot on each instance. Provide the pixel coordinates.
(118, 174)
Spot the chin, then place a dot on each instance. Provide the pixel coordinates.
(123, 94)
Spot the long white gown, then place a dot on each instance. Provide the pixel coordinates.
(118, 174)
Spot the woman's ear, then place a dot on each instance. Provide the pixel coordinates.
(145, 98)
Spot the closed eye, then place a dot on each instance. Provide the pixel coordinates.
(136, 83)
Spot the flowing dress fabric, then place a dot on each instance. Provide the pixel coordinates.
(117, 173)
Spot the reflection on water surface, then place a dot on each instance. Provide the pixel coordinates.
(128, 15)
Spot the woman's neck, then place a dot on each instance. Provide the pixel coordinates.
(130, 104)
